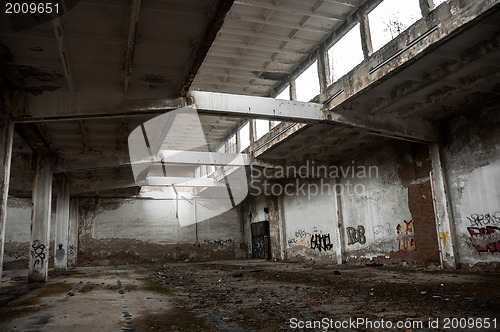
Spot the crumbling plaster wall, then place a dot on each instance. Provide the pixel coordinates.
(386, 209)
(18, 227)
(148, 230)
(387, 205)
(309, 223)
(472, 162)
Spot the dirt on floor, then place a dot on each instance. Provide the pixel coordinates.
(252, 295)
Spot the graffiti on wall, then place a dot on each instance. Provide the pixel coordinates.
(384, 230)
(17, 252)
(227, 243)
(316, 241)
(321, 242)
(445, 237)
(485, 239)
(356, 235)
(38, 253)
(72, 250)
(300, 238)
(406, 236)
(484, 219)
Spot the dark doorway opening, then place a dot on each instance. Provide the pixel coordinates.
(261, 247)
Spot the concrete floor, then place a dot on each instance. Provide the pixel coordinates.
(246, 296)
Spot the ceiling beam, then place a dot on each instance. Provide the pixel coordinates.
(84, 134)
(203, 158)
(135, 8)
(418, 130)
(63, 105)
(181, 182)
(277, 23)
(332, 38)
(217, 18)
(289, 9)
(62, 48)
(85, 185)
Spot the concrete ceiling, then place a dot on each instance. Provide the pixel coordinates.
(106, 54)
(149, 50)
(262, 42)
(452, 77)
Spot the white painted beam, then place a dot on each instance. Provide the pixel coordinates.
(256, 107)
(203, 158)
(419, 130)
(181, 182)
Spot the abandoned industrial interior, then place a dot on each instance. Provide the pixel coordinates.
(250, 165)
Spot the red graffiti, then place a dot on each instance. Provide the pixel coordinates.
(406, 234)
(485, 239)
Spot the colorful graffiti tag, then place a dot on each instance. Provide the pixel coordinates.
(406, 236)
(485, 239)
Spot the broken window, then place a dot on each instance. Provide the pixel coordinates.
(345, 54)
(307, 84)
(390, 18)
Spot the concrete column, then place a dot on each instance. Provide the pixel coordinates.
(6, 134)
(283, 241)
(62, 223)
(40, 222)
(73, 232)
(324, 75)
(293, 90)
(442, 209)
(426, 6)
(366, 36)
(339, 225)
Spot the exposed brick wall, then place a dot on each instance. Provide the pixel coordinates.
(414, 174)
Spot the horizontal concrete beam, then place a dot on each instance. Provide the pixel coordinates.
(418, 130)
(65, 105)
(181, 182)
(73, 162)
(203, 158)
(84, 186)
(255, 107)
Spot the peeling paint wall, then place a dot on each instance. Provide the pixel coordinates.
(376, 207)
(17, 232)
(150, 230)
(309, 226)
(386, 209)
(472, 161)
